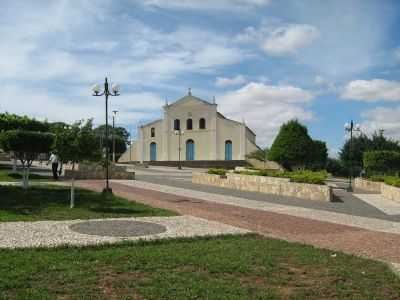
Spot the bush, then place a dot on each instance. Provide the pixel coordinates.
(221, 172)
(309, 177)
(381, 162)
(296, 176)
(392, 180)
(376, 178)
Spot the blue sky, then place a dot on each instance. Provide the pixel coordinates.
(265, 61)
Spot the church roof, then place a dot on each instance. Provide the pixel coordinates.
(190, 97)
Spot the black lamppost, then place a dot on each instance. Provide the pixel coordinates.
(113, 133)
(106, 92)
(179, 133)
(350, 127)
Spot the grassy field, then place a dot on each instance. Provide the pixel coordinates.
(52, 203)
(8, 175)
(234, 267)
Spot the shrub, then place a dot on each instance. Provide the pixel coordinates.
(392, 180)
(377, 178)
(309, 177)
(215, 171)
(381, 162)
(296, 176)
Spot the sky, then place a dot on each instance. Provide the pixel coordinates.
(265, 61)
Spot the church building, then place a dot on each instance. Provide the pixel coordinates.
(194, 133)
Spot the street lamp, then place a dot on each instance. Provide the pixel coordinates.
(350, 127)
(179, 133)
(97, 91)
(113, 133)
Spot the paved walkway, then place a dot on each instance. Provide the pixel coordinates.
(272, 220)
(345, 202)
(58, 233)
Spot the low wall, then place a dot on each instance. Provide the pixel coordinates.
(92, 171)
(267, 185)
(368, 185)
(390, 192)
(227, 164)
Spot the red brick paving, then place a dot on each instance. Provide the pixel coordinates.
(352, 240)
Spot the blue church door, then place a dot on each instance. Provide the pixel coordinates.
(190, 150)
(228, 150)
(153, 152)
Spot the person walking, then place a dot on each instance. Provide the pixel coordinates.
(54, 165)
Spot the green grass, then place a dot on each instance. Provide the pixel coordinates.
(8, 175)
(234, 267)
(52, 203)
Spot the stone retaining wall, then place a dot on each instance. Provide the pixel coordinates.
(368, 185)
(390, 192)
(93, 171)
(267, 185)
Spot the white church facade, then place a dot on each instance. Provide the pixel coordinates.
(191, 131)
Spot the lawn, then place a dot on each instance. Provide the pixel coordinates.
(8, 175)
(44, 202)
(231, 267)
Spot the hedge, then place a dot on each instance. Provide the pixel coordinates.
(221, 172)
(381, 162)
(305, 176)
(392, 180)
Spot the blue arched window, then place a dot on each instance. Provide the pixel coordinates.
(189, 150)
(228, 150)
(153, 151)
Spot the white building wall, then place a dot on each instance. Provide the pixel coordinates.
(209, 142)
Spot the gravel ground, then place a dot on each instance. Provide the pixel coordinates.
(58, 233)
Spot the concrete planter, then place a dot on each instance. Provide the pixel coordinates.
(368, 185)
(390, 192)
(268, 185)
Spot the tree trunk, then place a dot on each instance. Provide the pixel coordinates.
(72, 203)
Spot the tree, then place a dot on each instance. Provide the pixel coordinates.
(318, 155)
(259, 154)
(382, 162)
(26, 145)
(13, 122)
(291, 146)
(363, 143)
(75, 144)
(118, 131)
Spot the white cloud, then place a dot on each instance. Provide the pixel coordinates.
(372, 90)
(266, 107)
(224, 81)
(386, 118)
(206, 4)
(289, 39)
(278, 39)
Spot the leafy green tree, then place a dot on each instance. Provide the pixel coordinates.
(118, 131)
(336, 167)
(382, 162)
(13, 122)
(363, 143)
(318, 155)
(291, 146)
(26, 146)
(259, 154)
(75, 144)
